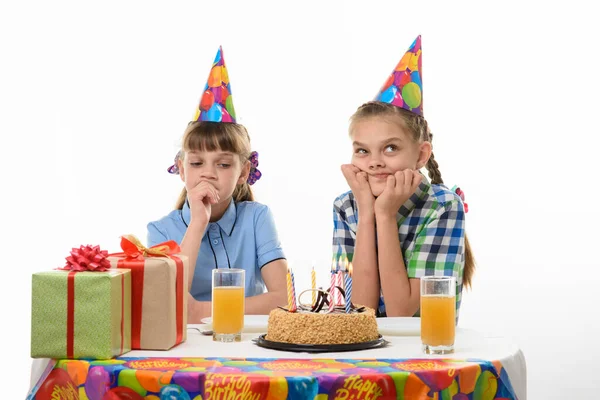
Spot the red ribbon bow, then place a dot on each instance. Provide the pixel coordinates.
(92, 259)
(87, 258)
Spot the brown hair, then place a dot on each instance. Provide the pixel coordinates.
(213, 136)
(417, 126)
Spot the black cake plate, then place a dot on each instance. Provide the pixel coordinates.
(320, 348)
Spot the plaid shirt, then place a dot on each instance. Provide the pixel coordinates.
(430, 229)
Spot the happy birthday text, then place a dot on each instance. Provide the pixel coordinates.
(229, 387)
(356, 388)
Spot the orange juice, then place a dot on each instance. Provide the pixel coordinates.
(437, 320)
(228, 309)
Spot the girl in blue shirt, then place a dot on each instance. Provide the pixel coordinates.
(216, 220)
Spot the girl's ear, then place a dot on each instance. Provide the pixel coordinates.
(244, 174)
(180, 167)
(425, 150)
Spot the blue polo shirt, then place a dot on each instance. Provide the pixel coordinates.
(245, 237)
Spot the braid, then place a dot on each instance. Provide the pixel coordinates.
(432, 165)
(434, 172)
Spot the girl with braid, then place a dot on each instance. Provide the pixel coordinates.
(395, 225)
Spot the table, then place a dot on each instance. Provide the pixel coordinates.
(483, 366)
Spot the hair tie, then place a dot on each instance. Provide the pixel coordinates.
(461, 194)
(255, 174)
(174, 169)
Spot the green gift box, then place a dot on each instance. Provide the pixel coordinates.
(81, 314)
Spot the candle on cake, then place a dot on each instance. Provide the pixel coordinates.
(340, 280)
(348, 287)
(313, 281)
(332, 285)
(290, 294)
(294, 306)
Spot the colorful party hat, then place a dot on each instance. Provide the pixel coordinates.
(404, 86)
(216, 103)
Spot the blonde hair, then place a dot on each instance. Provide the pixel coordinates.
(214, 136)
(418, 128)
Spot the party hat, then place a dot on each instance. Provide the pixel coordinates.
(216, 103)
(404, 86)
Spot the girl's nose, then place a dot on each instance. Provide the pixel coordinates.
(376, 162)
(208, 172)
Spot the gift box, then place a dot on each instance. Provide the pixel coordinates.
(81, 312)
(158, 293)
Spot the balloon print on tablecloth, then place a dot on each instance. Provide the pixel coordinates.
(59, 385)
(278, 388)
(122, 393)
(97, 383)
(428, 371)
(173, 392)
(192, 382)
(299, 388)
(356, 386)
(77, 370)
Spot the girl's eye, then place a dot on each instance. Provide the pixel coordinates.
(222, 165)
(195, 164)
(360, 151)
(391, 147)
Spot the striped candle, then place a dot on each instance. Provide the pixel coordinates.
(313, 281)
(340, 280)
(348, 288)
(338, 293)
(294, 306)
(288, 279)
(332, 286)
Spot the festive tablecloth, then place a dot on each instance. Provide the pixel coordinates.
(246, 371)
(283, 378)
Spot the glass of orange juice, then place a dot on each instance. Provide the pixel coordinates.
(438, 314)
(228, 304)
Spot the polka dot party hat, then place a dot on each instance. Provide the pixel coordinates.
(404, 86)
(216, 103)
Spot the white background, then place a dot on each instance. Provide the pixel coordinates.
(95, 97)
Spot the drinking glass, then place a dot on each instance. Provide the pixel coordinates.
(438, 314)
(228, 304)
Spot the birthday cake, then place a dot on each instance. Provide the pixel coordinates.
(322, 328)
(316, 325)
